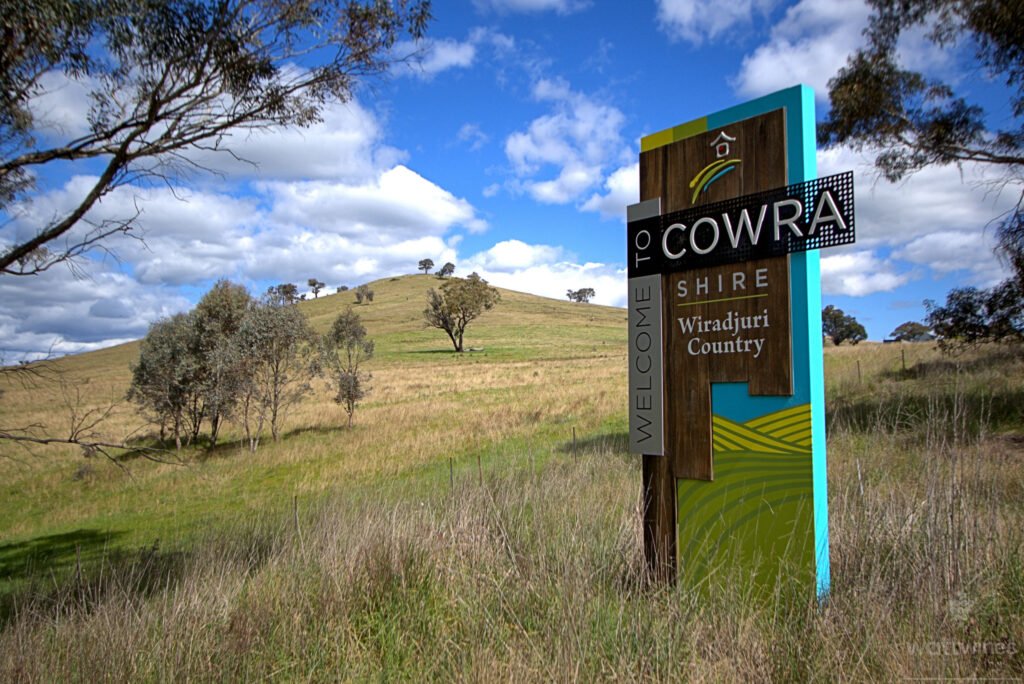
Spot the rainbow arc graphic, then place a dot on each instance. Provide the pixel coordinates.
(709, 174)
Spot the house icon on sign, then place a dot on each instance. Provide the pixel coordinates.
(721, 144)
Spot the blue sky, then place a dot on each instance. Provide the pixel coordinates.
(511, 150)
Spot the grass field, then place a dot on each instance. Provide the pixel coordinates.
(481, 522)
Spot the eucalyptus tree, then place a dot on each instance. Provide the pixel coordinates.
(277, 349)
(841, 327)
(217, 319)
(459, 302)
(346, 348)
(165, 380)
(582, 295)
(170, 82)
(910, 121)
(364, 294)
(315, 286)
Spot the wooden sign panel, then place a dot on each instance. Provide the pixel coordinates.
(743, 394)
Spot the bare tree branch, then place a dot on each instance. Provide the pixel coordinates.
(181, 77)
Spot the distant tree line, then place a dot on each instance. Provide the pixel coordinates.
(289, 293)
(242, 359)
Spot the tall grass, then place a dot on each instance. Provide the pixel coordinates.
(536, 574)
(390, 552)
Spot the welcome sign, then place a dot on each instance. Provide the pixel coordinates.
(726, 388)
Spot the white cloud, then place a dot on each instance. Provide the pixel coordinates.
(573, 180)
(345, 146)
(857, 274)
(189, 235)
(427, 58)
(398, 203)
(69, 315)
(447, 54)
(515, 254)
(621, 188)
(509, 6)
(949, 251)
(61, 107)
(472, 134)
(809, 45)
(545, 270)
(579, 138)
(938, 199)
(813, 41)
(297, 255)
(938, 219)
(433, 56)
(697, 20)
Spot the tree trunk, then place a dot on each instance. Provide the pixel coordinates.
(214, 429)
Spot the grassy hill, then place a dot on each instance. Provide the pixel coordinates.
(543, 368)
(481, 521)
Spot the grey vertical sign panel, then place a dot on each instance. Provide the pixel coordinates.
(646, 418)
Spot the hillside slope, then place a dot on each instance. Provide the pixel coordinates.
(483, 519)
(521, 326)
(544, 368)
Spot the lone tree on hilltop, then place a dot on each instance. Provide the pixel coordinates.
(457, 304)
(169, 83)
(345, 348)
(316, 285)
(425, 265)
(446, 270)
(841, 327)
(583, 295)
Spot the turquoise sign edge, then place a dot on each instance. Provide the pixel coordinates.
(731, 399)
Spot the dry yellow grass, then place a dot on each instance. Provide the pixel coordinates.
(529, 569)
(545, 368)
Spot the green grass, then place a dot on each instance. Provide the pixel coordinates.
(458, 532)
(425, 398)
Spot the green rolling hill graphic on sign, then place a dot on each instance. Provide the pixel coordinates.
(757, 514)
